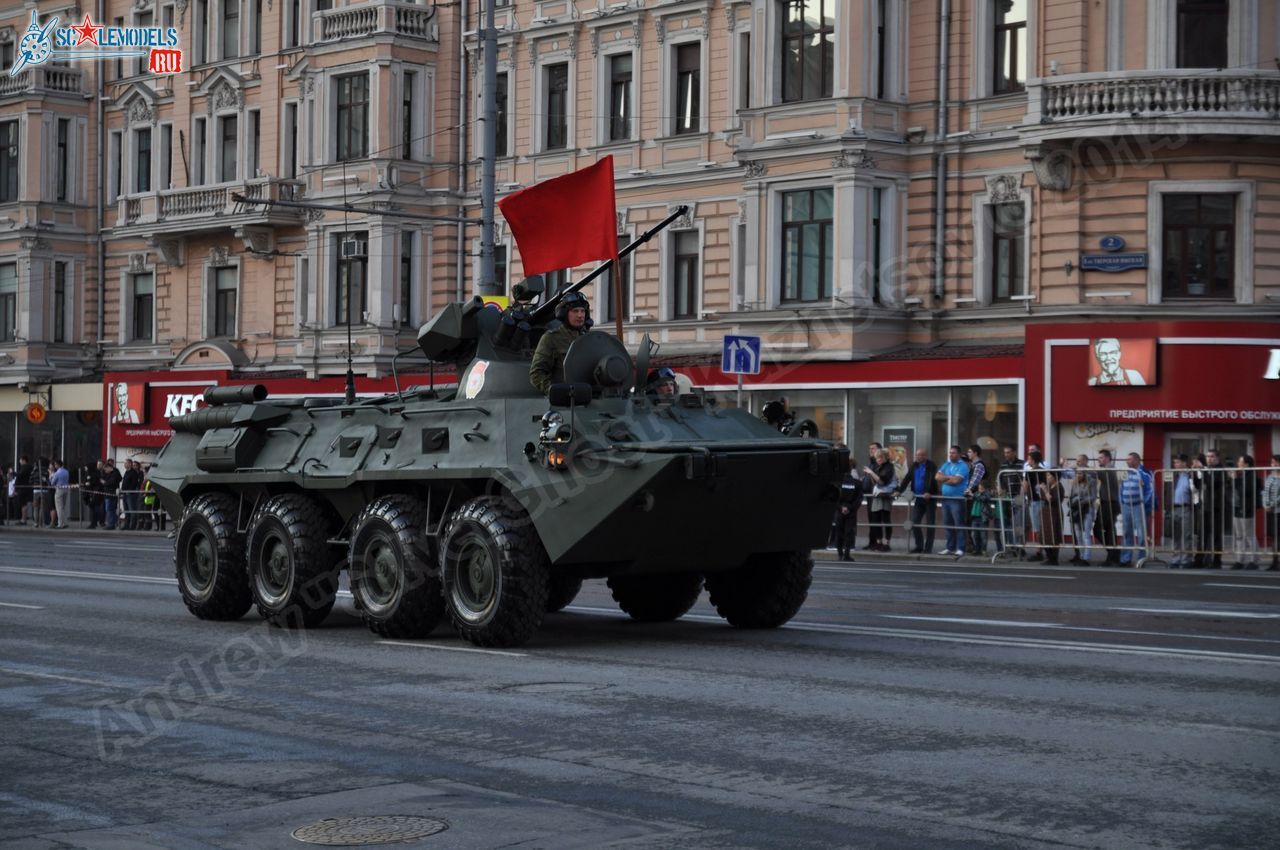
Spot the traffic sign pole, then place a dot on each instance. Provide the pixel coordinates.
(739, 390)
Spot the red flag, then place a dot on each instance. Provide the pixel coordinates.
(565, 221)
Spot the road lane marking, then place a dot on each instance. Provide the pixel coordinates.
(452, 648)
(989, 640)
(1192, 612)
(969, 574)
(18, 605)
(95, 682)
(1017, 624)
(1258, 586)
(33, 571)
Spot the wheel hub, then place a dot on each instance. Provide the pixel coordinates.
(200, 562)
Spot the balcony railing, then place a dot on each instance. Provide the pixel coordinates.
(43, 80)
(1186, 94)
(192, 208)
(375, 18)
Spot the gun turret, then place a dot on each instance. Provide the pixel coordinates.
(451, 336)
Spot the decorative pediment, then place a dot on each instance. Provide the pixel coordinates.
(210, 354)
(257, 240)
(139, 105)
(1004, 188)
(676, 19)
(853, 159)
(684, 222)
(1052, 166)
(137, 263)
(224, 89)
(169, 250)
(219, 255)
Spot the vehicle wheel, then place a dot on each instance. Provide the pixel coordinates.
(209, 559)
(495, 572)
(656, 598)
(394, 580)
(561, 591)
(764, 592)
(291, 567)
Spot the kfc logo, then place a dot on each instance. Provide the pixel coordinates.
(129, 406)
(177, 404)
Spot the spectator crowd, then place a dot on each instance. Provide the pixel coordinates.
(49, 494)
(1085, 507)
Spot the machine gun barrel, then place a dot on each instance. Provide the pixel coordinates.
(545, 311)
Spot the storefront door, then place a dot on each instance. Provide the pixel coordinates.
(1229, 446)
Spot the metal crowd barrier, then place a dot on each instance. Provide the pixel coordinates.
(1219, 517)
(37, 509)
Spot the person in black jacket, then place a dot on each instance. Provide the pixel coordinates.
(110, 485)
(847, 514)
(91, 490)
(25, 492)
(921, 482)
(1215, 507)
(884, 485)
(131, 495)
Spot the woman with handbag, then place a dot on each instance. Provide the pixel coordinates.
(884, 479)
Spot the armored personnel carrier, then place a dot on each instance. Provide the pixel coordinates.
(488, 504)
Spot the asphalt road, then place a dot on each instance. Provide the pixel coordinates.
(909, 705)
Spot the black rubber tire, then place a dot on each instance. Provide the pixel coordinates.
(291, 568)
(208, 559)
(495, 571)
(394, 577)
(561, 591)
(763, 593)
(656, 598)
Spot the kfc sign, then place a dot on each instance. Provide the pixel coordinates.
(177, 404)
(1273, 367)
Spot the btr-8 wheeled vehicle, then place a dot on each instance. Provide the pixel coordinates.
(490, 503)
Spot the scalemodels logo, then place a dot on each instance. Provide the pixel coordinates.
(42, 43)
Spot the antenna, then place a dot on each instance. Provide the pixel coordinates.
(351, 375)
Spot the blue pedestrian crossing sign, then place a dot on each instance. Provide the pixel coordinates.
(741, 355)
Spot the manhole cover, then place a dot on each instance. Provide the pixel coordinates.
(378, 829)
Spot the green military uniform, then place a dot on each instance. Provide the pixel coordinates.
(548, 359)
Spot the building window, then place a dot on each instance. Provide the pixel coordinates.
(500, 134)
(353, 117)
(225, 285)
(256, 37)
(1199, 246)
(623, 270)
(119, 22)
(116, 158)
(744, 70)
(227, 149)
(291, 139)
(1008, 250)
(60, 301)
(1011, 45)
(808, 49)
(553, 282)
(1202, 33)
(230, 29)
(255, 144)
(295, 18)
(144, 20)
(806, 245)
(8, 161)
(64, 154)
(6, 55)
(406, 113)
(877, 242)
(144, 300)
(200, 31)
(684, 275)
(353, 270)
(198, 151)
(8, 301)
(142, 161)
(166, 156)
(688, 94)
(620, 97)
(557, 99)
(500, 266)
(881, 45)
(406, 278)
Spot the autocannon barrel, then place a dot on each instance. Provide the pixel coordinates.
(239, 394)
(204, 419)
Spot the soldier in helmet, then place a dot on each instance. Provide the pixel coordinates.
(661, 384)
(574, 312)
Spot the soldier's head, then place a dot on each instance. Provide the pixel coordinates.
(574, 310)
(661, 383)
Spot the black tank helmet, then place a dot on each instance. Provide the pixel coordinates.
(573, 301)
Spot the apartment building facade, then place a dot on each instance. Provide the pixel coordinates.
(909, 259)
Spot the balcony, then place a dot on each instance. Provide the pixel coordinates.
(377, 18)
(1188, 101)
(204, 208)
(42, 80)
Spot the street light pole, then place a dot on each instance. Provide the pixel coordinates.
(489, 132)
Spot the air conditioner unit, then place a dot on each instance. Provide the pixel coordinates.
(355, 248)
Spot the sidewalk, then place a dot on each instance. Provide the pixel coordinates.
(78, 531)
(1155, 564)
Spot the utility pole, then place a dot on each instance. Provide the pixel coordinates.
(489, 133)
